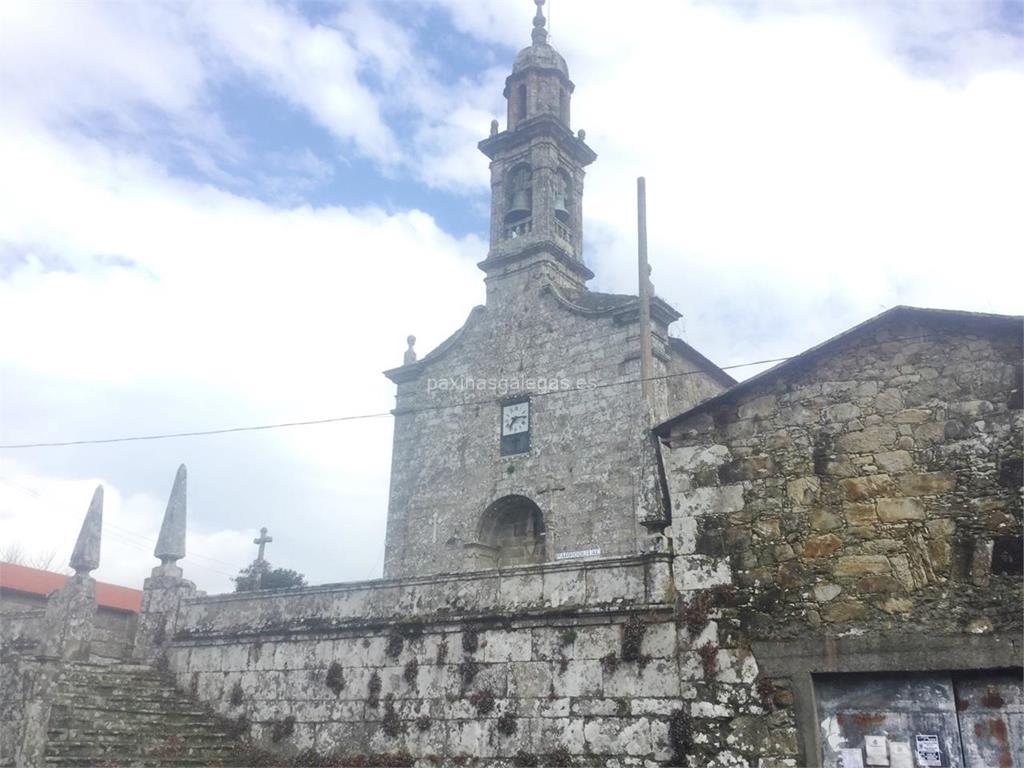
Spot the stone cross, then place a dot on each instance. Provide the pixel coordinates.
(170, 546)
(86, 555)
(263, 540)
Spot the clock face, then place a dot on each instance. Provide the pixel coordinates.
(515, 418)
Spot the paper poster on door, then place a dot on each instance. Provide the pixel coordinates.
(850, 758)
(900, 755)
(877, 751)
(929, 754)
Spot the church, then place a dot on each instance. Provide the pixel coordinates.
(601, 549)
(520, 438)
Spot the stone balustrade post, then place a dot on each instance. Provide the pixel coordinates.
(71, 610)
(164, 590)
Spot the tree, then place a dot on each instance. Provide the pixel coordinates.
(259, 575)
(14, 554)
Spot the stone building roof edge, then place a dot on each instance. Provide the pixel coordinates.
(39, 582)
(923, 313)
(588, 303)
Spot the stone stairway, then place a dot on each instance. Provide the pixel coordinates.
(127, 715)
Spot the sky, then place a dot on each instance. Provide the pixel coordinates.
(225, 214)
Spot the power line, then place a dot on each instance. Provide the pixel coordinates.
(421, 409)
(151, 542)
(356, 417)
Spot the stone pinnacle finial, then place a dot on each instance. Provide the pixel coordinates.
(170, 546)
(86, 555)
(539, 35)
(410, 353)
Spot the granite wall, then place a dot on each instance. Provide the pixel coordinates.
(540, 665)
(860, 509)
(577, 357)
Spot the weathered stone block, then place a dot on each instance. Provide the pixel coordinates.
(706, 501)
(658, 679)
(868, 440)
(698, 572)
(617, 736)
(912, 416)
(894, 461)
(768, 527)
(899, 510)
(822, 546)
(863, 488)
(803, 490)
(824, 593)
(824, 520)
(562, 588)
(695, 458)
(846, 610)
(859, 514)
(927, 483)
(736, 666)
(595, 642)
(889, 400)
(660, 640)
(504, 645)
(898, 605)
(841, 412)
(859, 565)
(581, 677)
(611, 585)
(528, 679)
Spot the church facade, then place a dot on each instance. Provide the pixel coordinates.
(521, 438)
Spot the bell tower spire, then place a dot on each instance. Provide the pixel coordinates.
(537, 172)
(539, 35)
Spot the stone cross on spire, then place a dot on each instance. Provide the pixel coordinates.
(170, 546)
(539, 34)
(262, 540)
(86, 555)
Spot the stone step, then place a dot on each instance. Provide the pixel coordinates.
(158, 698)
(125, 745)
(198, 732)
(74, 761)
(114, 684)
(127, 715)
(137, 718)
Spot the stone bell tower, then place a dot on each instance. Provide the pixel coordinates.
(536, 174)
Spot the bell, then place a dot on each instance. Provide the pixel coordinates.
(561, 212)
(520, 207)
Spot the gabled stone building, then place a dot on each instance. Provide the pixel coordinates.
(850, 523)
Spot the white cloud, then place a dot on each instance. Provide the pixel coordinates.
(802, 176)
(234, 313)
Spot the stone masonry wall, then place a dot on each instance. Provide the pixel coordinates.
(23, 625)
(585, 444)
(579, 667)
(871, 493)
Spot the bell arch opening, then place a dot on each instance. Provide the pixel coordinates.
(513, 526)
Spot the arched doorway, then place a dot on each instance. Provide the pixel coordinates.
(514, 527)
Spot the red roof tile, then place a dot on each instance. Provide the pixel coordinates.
(38, 582)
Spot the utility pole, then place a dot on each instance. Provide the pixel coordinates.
(644, 269)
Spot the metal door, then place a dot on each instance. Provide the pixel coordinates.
(990, 710)
(888, 721)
